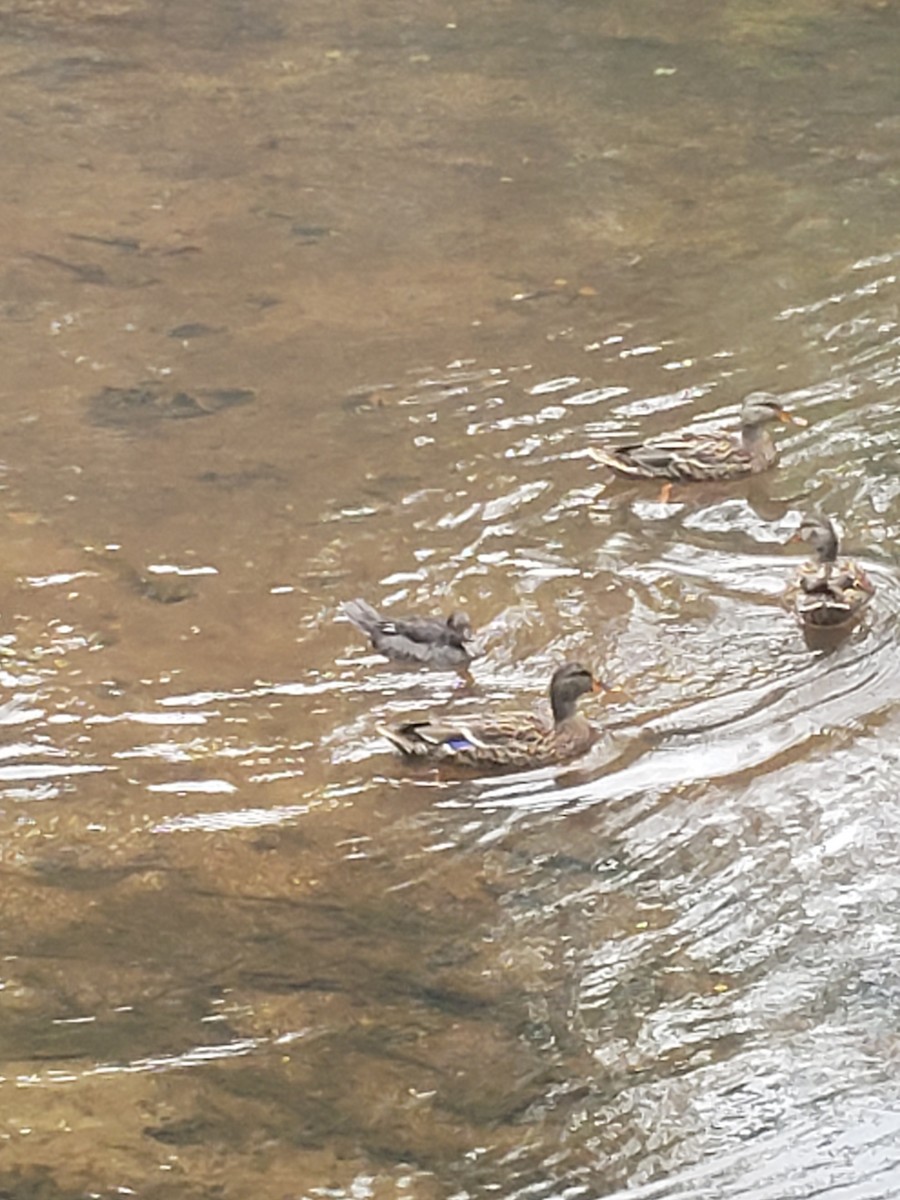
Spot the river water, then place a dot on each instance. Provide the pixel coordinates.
(309, 301)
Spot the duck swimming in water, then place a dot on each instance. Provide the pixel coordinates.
(512, 740)
(694, 457)
(430, 641)
(826, 592)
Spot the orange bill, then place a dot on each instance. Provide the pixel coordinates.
(790, 418)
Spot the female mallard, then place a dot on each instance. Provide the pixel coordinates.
(510, 740)
(827, 593)
(698, 456)
(429, 641)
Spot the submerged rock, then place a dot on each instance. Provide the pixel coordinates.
(147, 403)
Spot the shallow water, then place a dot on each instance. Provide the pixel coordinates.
(309, 302)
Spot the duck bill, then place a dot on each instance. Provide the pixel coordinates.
(600, 686)
(789, 418)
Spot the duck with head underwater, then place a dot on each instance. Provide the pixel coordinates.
(695, 457)
(510, 741)
(826, 593)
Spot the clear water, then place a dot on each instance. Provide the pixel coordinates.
(305, 302)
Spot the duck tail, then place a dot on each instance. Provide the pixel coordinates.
(405, 739)
(361, 614)
(613, 459)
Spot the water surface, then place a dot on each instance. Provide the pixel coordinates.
(304, 302)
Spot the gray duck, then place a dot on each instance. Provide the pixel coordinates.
(436, 642)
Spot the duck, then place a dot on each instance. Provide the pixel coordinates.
(436, 642)
(826, 592)
(719, 454)
(510, 741)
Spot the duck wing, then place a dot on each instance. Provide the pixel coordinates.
(679, 457)
(831, 593)
(424, 630)
(424, 640)
(512, 737)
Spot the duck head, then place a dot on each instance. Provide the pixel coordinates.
(569, 683)
(821, 535)
(761, 407)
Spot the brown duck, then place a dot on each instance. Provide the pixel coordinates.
(512, 740)
(826, 592)
(720, 454)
